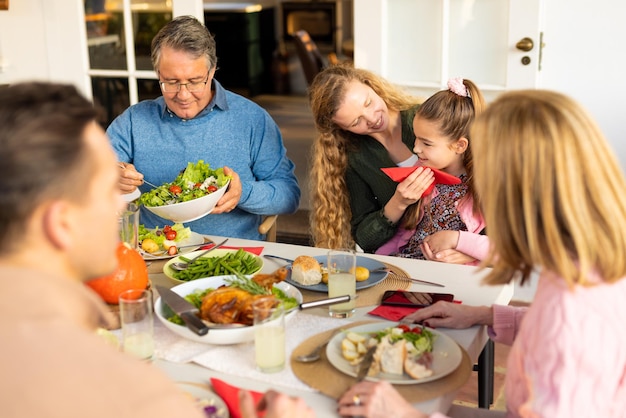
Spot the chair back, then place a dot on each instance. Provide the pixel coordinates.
(310, 57)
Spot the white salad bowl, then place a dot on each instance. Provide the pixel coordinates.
(216, 336)
(190, 210)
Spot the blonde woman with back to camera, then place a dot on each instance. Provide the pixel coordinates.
(553, 197)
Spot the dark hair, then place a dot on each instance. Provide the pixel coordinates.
(185, 33)
(41, 148)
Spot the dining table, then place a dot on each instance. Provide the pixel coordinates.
(188, 361)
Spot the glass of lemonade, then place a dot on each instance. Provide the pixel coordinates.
(269, 336)
(342, 281)
(137, 323)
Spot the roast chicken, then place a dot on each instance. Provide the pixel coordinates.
(227, 305)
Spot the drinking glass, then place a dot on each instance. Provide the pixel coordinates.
(342, 281)
(269, 336)
(137, 323)
(129, 225)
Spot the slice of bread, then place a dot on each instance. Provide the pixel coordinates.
(306, 270)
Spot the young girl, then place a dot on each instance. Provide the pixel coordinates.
(446, 224)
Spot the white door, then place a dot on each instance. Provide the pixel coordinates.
(420, 44)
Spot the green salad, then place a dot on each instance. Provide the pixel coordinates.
(197, 180)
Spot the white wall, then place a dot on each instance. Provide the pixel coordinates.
(43, 40)
(583, 58)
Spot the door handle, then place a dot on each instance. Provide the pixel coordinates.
(526, 44)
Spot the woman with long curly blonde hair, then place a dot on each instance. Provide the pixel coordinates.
(364, 123)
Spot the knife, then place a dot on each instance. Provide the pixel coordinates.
(420, 281)
(366, 364)
(184, 309)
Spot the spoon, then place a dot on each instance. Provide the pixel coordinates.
(180, 266)
(314, 355)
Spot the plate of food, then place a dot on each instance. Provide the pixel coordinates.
(207, 401)
(309, 273)
(219, 262)
(404, 355)
(169, 241)
(226, 300)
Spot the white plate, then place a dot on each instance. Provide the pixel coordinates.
(204, 397)
(193, 239)
(369, 263)
(447, 356)
(217, 336)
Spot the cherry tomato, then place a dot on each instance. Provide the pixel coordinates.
(211, 189)
(417, 330)
(404, 328)
(171, 235)
(167, 228)
(198, 185)
(173, 250)
(176, 189)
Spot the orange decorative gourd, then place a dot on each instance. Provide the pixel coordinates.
(131, 273)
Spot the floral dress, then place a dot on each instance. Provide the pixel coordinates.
(439, 214)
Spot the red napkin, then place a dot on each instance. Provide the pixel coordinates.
(392, 313)
(253, 250)
(395, 313)
(230, 396)
(398, 174)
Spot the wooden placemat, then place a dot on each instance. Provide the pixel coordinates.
(371, 295)
(323, 376)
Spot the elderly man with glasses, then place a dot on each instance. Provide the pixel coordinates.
(197, 119)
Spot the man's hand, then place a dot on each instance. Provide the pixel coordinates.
(231, 198)
(130, 178)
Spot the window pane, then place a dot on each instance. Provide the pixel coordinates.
(478, 40)
(416, 24)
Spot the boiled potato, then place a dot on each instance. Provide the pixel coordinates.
(361, 274)
(149, 245)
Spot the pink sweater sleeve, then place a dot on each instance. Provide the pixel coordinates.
(474, 245)
(506, 323)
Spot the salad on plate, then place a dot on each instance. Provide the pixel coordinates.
(158, 241)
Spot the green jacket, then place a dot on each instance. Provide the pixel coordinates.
(370, 189)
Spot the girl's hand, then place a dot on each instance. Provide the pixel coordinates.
(442, 240)
(446, 256)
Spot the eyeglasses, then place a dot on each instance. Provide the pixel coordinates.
(192, 86)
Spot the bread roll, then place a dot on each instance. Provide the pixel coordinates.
(306, 270)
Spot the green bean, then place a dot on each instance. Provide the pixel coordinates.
(240, 261)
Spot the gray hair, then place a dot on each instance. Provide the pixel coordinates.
(188, 34)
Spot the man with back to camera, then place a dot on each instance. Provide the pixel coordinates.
(197, 119)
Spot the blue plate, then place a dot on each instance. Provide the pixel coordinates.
(368, 263)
